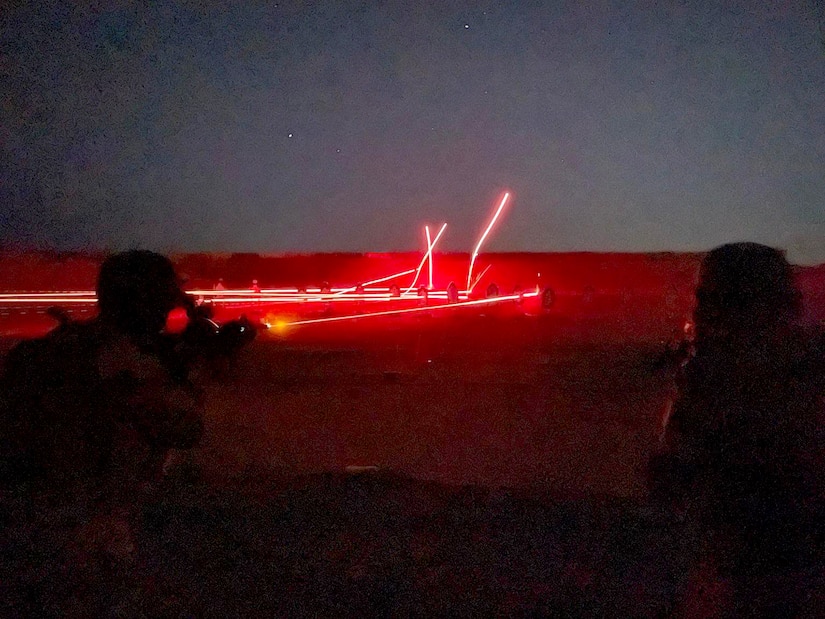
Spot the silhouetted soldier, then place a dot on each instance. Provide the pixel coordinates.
(90, 411)
(742, 452)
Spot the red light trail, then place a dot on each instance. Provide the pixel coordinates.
(427, 256)
(375, 281)
(478, 279)
(50, 298)
(484, 236)
(430, 249)
(410, 310)
(366, 293)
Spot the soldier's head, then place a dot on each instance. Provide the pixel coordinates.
(136, 290)
(744, 288)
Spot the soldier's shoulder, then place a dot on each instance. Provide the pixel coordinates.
(71, 343)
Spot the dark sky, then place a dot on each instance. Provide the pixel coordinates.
(322, 126)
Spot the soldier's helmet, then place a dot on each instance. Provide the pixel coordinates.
(136, 290)
(744, 287)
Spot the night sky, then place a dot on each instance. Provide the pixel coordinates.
(345, 126)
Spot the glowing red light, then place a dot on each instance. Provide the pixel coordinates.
(46, 299)
(484, 236)
(478, 279)
(425, 258)
(376, 281)
(429, 249)
(410, 310)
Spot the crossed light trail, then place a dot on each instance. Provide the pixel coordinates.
(366, 292)
(484, 236)
(427, 256)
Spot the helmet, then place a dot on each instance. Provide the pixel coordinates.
(744, 286)
(136, 290)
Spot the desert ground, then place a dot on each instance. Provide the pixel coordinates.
(505, 458)
(543, 403)
(450, 465)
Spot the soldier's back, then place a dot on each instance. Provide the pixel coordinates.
(748, 430)
(56, 428)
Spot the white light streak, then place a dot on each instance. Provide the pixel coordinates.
(484, 236)
(425, 258)
(411, 310)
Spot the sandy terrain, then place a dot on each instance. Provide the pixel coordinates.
(521, 402)
(510, 482)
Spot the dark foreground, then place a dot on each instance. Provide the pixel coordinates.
(510, 482)
(362, 545)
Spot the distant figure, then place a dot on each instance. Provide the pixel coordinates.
(742, 457)
(359, 304)
(234, 335)
(90, 411)
(211, 348)
(255, 287)
(452, 293)
(219, 285)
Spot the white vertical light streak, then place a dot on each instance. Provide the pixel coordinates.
(484, 236)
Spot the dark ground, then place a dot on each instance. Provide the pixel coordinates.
(374, 545)
(510, 481)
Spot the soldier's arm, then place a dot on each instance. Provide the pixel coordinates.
(166, 411)
(166, 414)
(683, 451)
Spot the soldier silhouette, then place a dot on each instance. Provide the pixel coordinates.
(91, 410)
(742, 456)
